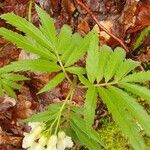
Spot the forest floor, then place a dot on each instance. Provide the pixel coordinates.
(124, 18)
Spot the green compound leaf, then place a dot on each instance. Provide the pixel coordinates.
(37, 65)
(79, 51)
(53, 83)
(13, 77)
(26, 43)
(115, 60)
(104, 54)
(92, 57)
(9, 91)
(138, 90)
(134, 108)
(138, 77)
(41, 117)
(84, 139)
(126, 67)
(64, 39)
(8, 84)
(48, 27)
(90, 106)
(75, 41)
(87, 136)
(48, 115)
(122, 118)
(28, 28)
(11, 84)
(76, 70)
(84, 81)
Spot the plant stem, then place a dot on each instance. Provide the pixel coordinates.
(60, 111)
(30, 11)
(105, 84)
(62, 67)
(69, 108)
(68, 99)
(99, 85)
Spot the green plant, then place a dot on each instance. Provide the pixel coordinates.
(108, 75)
(143, 34)
(8, 83)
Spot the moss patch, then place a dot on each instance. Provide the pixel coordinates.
(112, 137)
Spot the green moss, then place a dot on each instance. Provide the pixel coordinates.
(112, 137)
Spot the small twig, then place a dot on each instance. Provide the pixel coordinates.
(101, 26)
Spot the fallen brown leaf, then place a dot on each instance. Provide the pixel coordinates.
(83, 27)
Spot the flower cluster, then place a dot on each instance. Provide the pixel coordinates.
(35, 140)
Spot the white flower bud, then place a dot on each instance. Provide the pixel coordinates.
(68, 142)
(64, 141)
(37, 130)
(36, 146)
(61, 135)
(42, 140)
(28, 140)
(33, 125)
(31, 137)
(51, 148)
(52, 141)
(61, 145)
